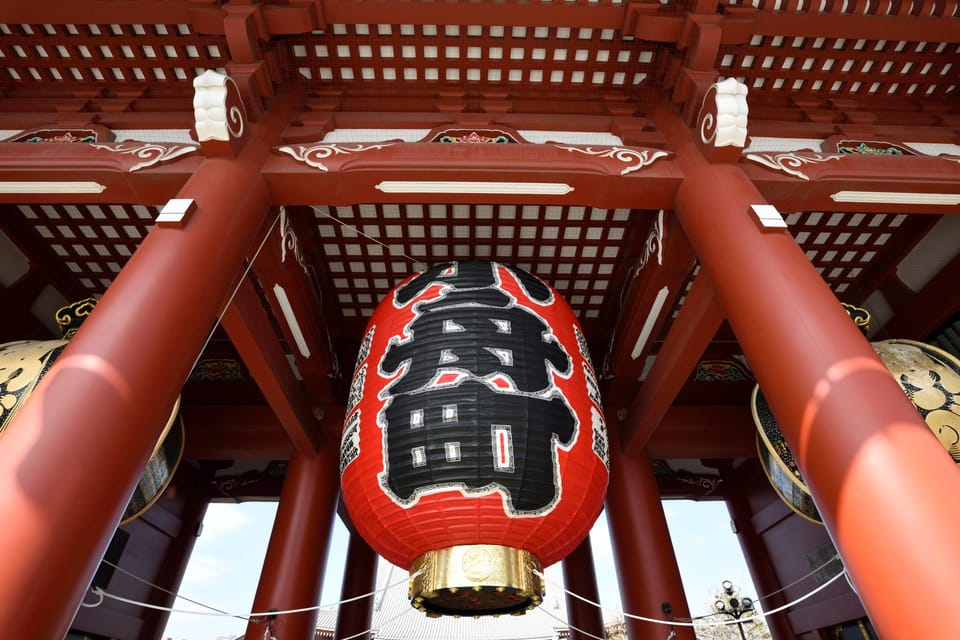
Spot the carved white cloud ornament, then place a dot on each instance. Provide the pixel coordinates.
(217, 109)
(723, 119)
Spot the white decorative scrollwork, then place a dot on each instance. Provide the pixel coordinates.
(728, 128)
(150, 152)
(654, 243)
(790, 163)
(235, 121)
(313, 154)
(219, 113)
(289, 242)
(642, 158)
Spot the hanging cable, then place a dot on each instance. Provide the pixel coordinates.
(236, 289)
(773, 593)
(567, 624)
(679, 623)
(836, 556)
(222, 614)
(369, 237)
(167, 591)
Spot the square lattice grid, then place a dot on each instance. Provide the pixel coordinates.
(370, 248)
(393, 55)
(842, 67)
(95, 53)
(92, 241)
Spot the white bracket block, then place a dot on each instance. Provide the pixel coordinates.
(175, 212)
(768, 216)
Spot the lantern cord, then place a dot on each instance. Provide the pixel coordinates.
(679, 623)
(101, 594)
(836, 556)
(233, 294)
(167, 591)
(361, 233)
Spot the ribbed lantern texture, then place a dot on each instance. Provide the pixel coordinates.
(474, 418)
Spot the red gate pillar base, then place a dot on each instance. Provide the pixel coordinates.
(296, 555)
(354, 618)
(580, 577)
(646, 565)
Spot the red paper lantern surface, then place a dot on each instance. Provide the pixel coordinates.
(474, 418)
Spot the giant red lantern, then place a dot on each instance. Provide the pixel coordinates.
(474, 451)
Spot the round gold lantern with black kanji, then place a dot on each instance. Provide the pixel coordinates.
(474, 451)
(929, 376)
(24, 363)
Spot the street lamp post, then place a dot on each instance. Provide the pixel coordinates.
(730, 603)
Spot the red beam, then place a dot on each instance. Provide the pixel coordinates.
(662, 261)
(692, 331)
(822, 179)
(704, 431)
(354, 175)
(57, 163)
(475, 13)
(95, 12)
(850, 27)
(932, 306)
(286, 277)
(233, 432)
(251, 332)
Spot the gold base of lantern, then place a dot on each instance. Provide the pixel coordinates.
(476, 580)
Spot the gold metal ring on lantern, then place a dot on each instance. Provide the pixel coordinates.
(476, 580)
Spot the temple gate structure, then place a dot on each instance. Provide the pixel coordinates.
(705, 182)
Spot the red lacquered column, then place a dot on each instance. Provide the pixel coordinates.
(359, 578)
(71, 458)
(292, 572)
(758, 560)
(885, 488)
(580, 577)
(646, 563)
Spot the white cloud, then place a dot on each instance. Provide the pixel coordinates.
(205, 570)
(223, 520)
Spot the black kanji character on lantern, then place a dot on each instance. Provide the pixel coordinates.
(496, 427)
(480, 339)
(472, 437)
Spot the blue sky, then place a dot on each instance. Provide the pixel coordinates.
(225, 565)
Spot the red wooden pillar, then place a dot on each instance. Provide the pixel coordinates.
(646, 564)
(580, 577)
(293, 568)
(881, 481)
(756, 556)
(177, 556)
(71, 458)
(359, 578)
